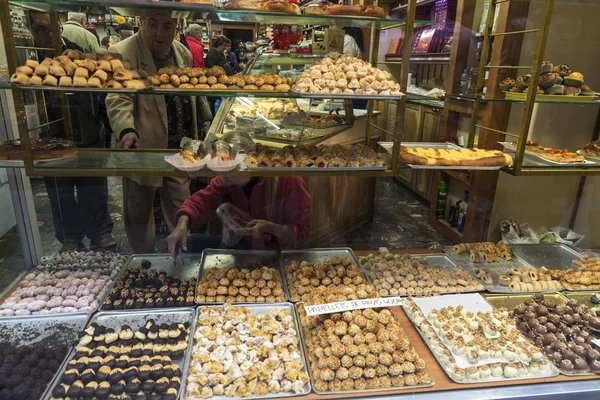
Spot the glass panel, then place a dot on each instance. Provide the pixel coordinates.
(579, 100)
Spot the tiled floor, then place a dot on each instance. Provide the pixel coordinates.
(399, 222)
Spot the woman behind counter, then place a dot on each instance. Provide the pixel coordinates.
(279, 208)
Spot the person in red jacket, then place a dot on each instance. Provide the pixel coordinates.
(193, 36)
(279, 208)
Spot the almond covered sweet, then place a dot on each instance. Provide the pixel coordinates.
(237, 353)
(400, 275)
(303, 276)
(358, 349)
(232, 285)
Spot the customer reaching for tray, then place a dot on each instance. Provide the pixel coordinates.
(280, 208)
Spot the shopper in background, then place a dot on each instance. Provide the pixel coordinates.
(232, 59)
(153, 122)
(86, 214)
(193, 36)
(279, 208)
(353, 41)
(74, 31)
(105, 42)
(124, 30)
(216, 55)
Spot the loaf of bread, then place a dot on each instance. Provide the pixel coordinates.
(341, 9)
(282, 6)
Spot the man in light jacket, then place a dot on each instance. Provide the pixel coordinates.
(74, 31)
(149, 121)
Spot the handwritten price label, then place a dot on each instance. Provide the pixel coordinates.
(342, 306)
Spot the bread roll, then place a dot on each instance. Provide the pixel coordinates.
(24, 70)
(36, 80)
(49, 80)
(94, 82)
(101, 74)
(186, 86)
(202, 86)
(79, 80)
(82, 72)
(20, 78)
(166, 86)
(65, 81)
(57, 70)
(31, 64)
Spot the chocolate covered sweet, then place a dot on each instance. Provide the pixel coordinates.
(141, 287)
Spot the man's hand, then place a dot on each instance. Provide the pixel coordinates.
(256, 228)
(179, 235)
(129, 141)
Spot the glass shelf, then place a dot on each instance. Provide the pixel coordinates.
(193, 92)
(567, 100)
(207, 11)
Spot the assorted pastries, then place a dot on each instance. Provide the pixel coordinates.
(26, 370)
(523, 279)
(64, 283)
(485, 251)
(303, 277)
(41, 149)
(76, 69)
(324, 156)
(326, 8)
(591, 149)
(299, 118)
(344, 74)
(564, 331)
(454, 157)
(358, 349)
(584, 276)
(555, 80)
(233, 285)
(216, 78)
(126, 363)
(400, 275)
(478, 338)
(238, 353)
(142, 287)
(277, 6)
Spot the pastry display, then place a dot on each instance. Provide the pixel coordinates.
(585, 275)
(76, 69)
(550, 154)
(303, 277)
(245, 352)
(142, 287)
(454, 157)
(26, 370)
(486, 251)
(563, 330)
(278, 6)
(359, 349)
(476, 345)
(128, 362)
(400, 275)
(288, 134)
(41, 149)
(216, 79)
(523, 279)
(553, 80)
(64, 283)
(592, 149)
(233, 285)
(311, 121)
(344, 74)
(327, 8)
(336, 156)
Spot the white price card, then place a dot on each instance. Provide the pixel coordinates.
(596, 342)
(342, 306)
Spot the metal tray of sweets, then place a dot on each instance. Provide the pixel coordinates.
(135, 319)
(255, 309)
(251, 259)
(30, 329)
(511, 301)
(551, 256)
(497, 269)
(440, 261)
(365, 391)
(583, 297)
(555, 371)
(190, 269)
(314, 255)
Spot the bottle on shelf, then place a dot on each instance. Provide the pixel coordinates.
(464, 82)
(462, 214)
(453, 214)
(440, 209)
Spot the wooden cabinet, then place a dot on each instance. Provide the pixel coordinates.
(422, 124)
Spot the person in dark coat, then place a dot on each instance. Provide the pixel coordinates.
(216, 55)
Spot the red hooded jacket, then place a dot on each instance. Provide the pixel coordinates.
(197, 50)
(291, 206)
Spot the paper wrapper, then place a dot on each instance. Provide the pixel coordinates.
(177, 161)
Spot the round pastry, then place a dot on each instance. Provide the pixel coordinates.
(556, 89)
(547, 79)
(547, 66)
(507, 84)
(562, 69)
(572, 91)
(523, 81)
(586, 90)
(573, 79)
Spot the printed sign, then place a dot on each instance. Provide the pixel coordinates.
(342, 306)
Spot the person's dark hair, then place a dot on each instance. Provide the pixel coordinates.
(124, 27)
(357, 34)
(222, 40)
